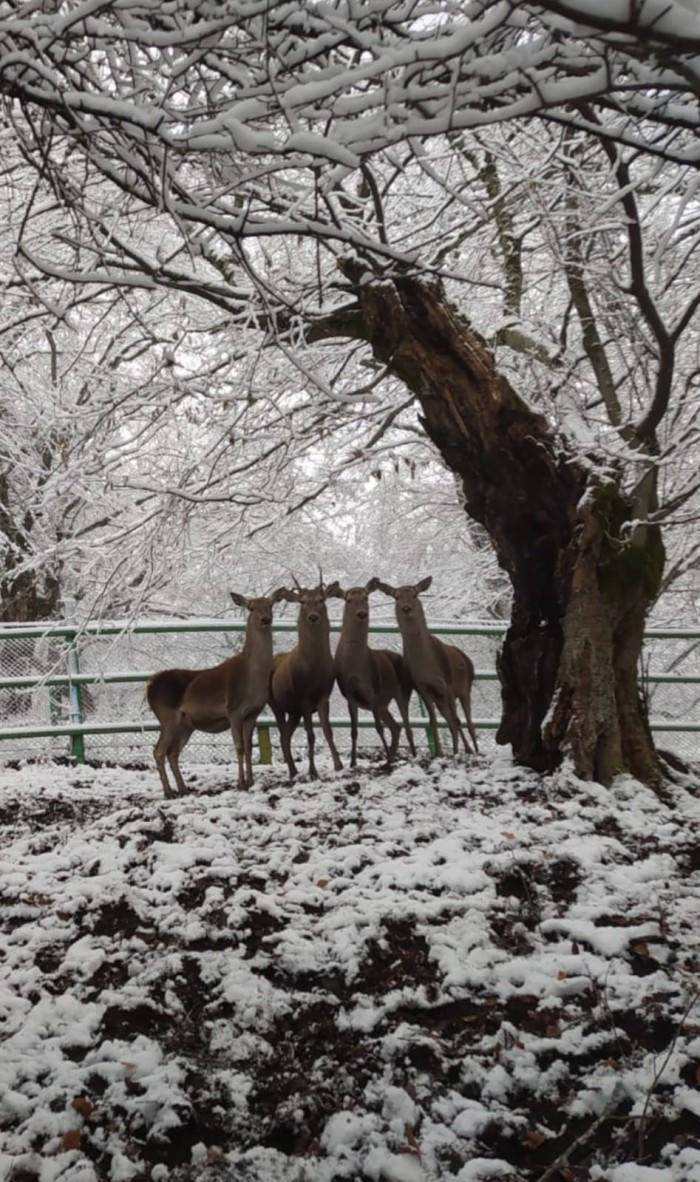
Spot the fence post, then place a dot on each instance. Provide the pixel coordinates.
(77, 741)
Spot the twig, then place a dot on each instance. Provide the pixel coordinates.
(563, 1158)
(657, 1078)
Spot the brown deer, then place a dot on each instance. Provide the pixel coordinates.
(441, 673)
(302, 679)
(370, 678)
(231, 694)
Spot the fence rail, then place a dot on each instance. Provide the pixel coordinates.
(58, 682)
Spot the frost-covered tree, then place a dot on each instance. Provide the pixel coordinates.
(321, 174)
(79, 408)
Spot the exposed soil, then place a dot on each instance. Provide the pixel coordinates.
(261, 1062)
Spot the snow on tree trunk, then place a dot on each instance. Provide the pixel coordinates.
(24, 596)
(583, 576)
(598, 714)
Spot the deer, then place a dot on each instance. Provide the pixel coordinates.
(370, 678)
(303, 678)
(230, 694)
(441, 673)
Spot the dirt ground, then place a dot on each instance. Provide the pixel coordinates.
(259, 1072)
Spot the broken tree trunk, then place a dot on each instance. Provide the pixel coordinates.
(583, 575)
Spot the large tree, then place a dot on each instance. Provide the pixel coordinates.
(186, 145)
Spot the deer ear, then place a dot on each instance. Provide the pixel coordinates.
(372, 585)
(385, 587)
(424, 583)
(239, 600)
(284, 593)
(334, 591)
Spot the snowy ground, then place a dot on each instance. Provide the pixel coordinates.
(440, 972)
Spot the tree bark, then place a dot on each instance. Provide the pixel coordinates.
(23, 600)
(23, 597)
(583, 578)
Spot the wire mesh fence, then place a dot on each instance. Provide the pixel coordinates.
(93, 684)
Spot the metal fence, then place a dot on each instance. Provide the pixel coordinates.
(79, 693)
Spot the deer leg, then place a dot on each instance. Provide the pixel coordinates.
(174, 761)
(448, 710)
(402, 701)
(352, 708)
(311, 742)
(324, 715)
(379, 727)
(383, 715)
(395, 732)
(456, 728)
(159, 756)
(409, 738)
(287, 729)
(248, 747)
(247, 729)
(239, 744)
(173, 739)
(467, 708)
(448, 707)
(432, 719)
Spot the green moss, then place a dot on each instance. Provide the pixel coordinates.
(628, 563)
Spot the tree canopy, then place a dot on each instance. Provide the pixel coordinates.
(242, 119)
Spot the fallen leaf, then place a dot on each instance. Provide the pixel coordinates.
(71, 1140)
(410, 1135)
(533, 1139)
(82, 1105)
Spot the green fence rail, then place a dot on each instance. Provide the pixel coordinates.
(67, 644)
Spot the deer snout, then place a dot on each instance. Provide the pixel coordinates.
(362, 613)
(313, 617)
(266, 621)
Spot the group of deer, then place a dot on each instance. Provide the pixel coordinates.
(298, 683)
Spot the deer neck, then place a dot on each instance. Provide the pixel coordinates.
(416, 638)
(314, 641)
(353, 642)
(257, 648)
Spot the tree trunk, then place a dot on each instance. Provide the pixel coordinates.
(24, 598)
(583, 580)
(598, 715)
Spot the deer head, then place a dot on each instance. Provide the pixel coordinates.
(357, 598)
(312, 602)
(260, 607)
(318, 595)
(406, 599)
